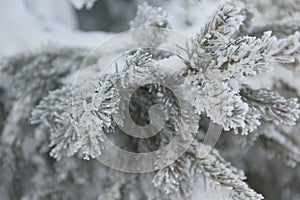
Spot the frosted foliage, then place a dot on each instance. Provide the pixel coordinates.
(54, 111)
(221, 172)
(246, 56)
(252, 122)
(138, 66)
(83, 129)
(219, 58)
(169, 179)
(215, 170)
(222, 104)
(226, 21)
(213, 83)
(288, 49)
(271, 107)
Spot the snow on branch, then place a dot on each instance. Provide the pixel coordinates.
(225, 23)
(288, 49)
(55, 112)
(270, 107)
(218, 64)
(221, 103)
(171, 180)
(246, 56)
(174, 181)
(77, 121)
(220, 172)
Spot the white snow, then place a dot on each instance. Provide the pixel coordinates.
(29, 24)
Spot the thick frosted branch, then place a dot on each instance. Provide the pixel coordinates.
(225, 23)
(78, 121)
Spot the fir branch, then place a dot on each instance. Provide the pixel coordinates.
(174, 181)
(78, 121)
(252, 122)
(246, 56)
(221, 103)
(271, 107)
(54, 111)
(225, 23)
(288, 49)
(214, 167)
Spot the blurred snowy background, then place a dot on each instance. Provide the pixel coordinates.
(28, 24)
